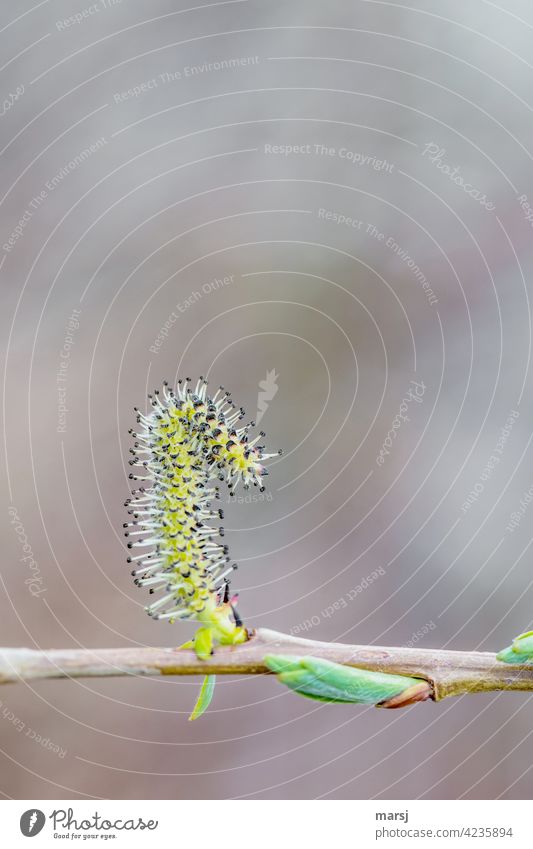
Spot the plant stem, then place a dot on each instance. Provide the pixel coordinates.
(448, 673)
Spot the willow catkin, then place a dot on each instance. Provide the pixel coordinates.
(187, 442)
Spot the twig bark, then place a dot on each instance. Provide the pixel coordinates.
(448, 673)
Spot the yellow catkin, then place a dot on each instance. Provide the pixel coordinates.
(182, 446)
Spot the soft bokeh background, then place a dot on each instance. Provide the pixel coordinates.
(180, 190)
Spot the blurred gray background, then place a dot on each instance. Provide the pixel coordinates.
(329, 200)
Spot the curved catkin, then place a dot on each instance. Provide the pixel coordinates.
(187, 442)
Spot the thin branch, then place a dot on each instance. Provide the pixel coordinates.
(448, 673)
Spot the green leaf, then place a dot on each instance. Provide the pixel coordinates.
(521, 651)
(311, 687)
(326, 681)
(524, 643)
(204, 697)
(282, 662)
(509, 655)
